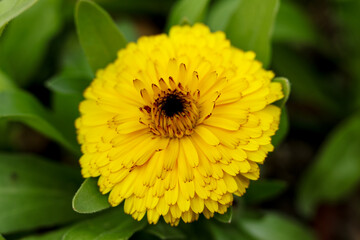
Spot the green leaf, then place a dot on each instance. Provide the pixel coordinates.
(113, 224)
(260, 191)
(5, 82)
(2, 29)
(17, 105)
(164, 231)
(99, 36)
(88, 198)
(52, 235)
(251, 27)
(335, 172)
(187, 10)
(75, 73)
(65, 111)
(285, 89)
(35, 193)
(153, 7)
(2, 238)
(9, 9)
(68, 83)
(274, 226)
(73, 59)
(226, 217)
(283, 128)
(293, 25)
(221, 13)
(27, 38)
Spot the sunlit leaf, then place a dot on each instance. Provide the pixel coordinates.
(272, 226)
(24, 44)
(88, 198)
(17, 105)
(226, 217)
(335, 171)
(99, 36)
(187, 10)
(35, 193)
(251, 27)
(113, 224)
(10, 9)
(262, 190)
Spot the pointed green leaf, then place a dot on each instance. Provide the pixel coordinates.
(164, 231)
(251, 27)
(260, 191)
(285, 89)
(1, 237)
(99, 36)
(226, 217)
(17, 105)
(335, 172)
(9, 9)
(274, 226)
(25, 42)
(187, 10)
(221, 13)
(35, 193)
(88, 198)
(113, 224)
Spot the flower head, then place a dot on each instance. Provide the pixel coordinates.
(178, 124)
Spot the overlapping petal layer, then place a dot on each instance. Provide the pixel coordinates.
(178, 124)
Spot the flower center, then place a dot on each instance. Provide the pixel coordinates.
(172, 104)
(173, 113)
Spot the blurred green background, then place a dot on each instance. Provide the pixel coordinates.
(309, 187)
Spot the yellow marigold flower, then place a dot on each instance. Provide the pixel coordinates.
(178, 124)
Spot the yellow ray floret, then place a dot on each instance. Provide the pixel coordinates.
(178, 124)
